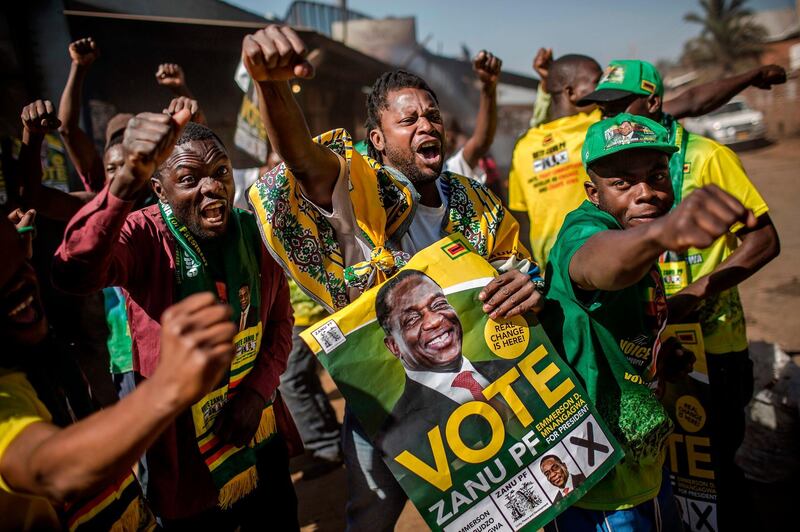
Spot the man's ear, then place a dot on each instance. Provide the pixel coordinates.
(653, 104)
(391, 345)
(377, 140)
(591, 191)
(158, 188)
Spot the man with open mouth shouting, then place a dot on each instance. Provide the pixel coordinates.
(225, 456)
(340, 222)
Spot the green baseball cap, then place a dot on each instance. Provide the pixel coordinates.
(624, 132)
(622, 78)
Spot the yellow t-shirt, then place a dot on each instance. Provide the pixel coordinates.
(547, 176)
(708, 162)
(19, 407)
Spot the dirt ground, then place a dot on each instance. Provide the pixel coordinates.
(768, 298)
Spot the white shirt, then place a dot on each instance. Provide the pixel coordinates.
(458, 165)
(442, 381)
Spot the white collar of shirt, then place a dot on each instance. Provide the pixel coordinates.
(442, 382)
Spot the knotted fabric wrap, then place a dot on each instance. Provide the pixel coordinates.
(303, 241)
(362, 274)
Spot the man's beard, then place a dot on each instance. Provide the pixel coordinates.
(407, 167)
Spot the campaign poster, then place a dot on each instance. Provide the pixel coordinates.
(481, 422)
(689, 446)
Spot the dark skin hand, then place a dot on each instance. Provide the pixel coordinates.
(182, 102)
(22, 219)
(38, 119)
(487, 67)
(149, 139)
(171, 75)
(673, 365)
(541, 64)
(238, 422)
(510, 294)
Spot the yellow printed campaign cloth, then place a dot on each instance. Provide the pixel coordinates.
(383, 200)
(479, 420)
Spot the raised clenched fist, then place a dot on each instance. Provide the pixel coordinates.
(768, 76)
(703, 216)
(542, 62)
(487, 67)
(276, 53)
(83, 52)
(40, 117)
(170, 75)
(148, 141)
(196, 347)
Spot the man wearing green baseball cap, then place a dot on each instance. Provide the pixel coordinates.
(706, 293)
(606, 306)
(545, 181)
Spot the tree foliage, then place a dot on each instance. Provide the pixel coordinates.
(728, 35)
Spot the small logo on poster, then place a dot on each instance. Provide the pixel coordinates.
(329, 336)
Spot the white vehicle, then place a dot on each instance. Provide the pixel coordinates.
(733, 122)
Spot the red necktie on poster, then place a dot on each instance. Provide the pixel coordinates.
(466, 381)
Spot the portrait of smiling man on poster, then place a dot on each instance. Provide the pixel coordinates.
(423, 330)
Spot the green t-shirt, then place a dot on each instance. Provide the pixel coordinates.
(706, 162)
(609, 339)
(119, 332)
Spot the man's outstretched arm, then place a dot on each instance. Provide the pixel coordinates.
(705, 98)
(697, 221)
(63, 464)
(272, 57)
(487, 67)
(80, 148)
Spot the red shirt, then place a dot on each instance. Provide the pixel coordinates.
(107, 245)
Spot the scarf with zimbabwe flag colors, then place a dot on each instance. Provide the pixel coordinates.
(233, 469)
(302, 241)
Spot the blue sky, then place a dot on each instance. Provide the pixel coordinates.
(514, 30)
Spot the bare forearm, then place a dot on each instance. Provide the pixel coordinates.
(482, 138)
(705, 98)
(69, 108)
(635, 250)
(82, 458)
(315, 167)
(79, 146)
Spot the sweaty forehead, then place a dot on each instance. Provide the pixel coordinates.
(410, 99)
(196, 152)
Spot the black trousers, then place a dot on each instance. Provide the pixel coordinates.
(730, 378)
(272, 506)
